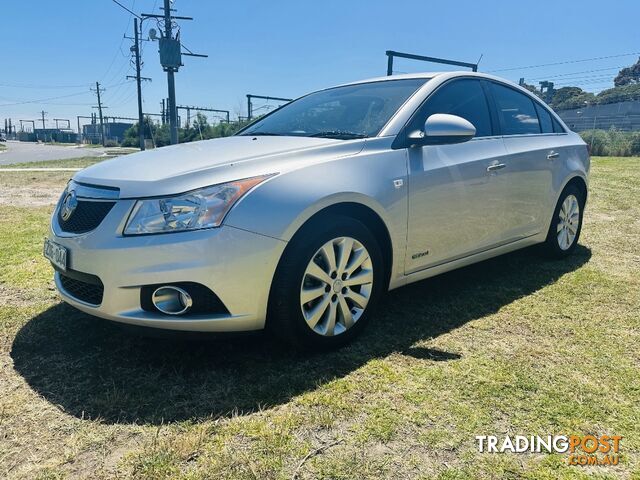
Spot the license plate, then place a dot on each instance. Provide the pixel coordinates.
(56, 254)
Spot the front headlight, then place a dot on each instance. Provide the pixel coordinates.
(203, 208)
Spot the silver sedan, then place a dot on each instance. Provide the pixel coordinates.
(301, 221)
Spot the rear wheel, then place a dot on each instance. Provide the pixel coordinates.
(566, 224)
(329, 280)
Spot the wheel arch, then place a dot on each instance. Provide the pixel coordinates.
(580, 183)
(576, 179)
(358, 211)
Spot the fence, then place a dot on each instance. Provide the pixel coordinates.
(624, 116)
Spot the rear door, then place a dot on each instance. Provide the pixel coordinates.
(535, 154)
(456, 204)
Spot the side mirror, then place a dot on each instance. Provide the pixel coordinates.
(442, 129)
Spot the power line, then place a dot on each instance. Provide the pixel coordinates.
(564, 63)
(42, 100)
(43, 87)
(128, 10)
(119, 49)
(568, 74)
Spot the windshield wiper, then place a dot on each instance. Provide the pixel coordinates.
(338, 134)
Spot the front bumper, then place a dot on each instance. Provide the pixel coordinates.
(237, 265)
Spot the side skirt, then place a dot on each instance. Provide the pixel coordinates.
(467, 260)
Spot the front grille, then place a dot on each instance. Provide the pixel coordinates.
(86, 216)
(85, 287)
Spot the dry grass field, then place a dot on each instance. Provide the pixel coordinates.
(515, 345)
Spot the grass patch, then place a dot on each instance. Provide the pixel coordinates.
(80, 162)
(515, 345)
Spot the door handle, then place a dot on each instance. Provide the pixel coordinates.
(497, 166)
(553, 156)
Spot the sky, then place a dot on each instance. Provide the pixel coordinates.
(53, 52)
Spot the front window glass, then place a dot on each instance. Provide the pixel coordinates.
(352, 111)
(464, 98)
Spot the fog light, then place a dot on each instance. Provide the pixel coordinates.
(171, 300)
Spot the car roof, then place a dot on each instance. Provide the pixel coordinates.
(430, 76)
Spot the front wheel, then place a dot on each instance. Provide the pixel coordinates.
(329, 280)
(566, 224)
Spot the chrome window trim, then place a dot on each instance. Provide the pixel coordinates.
(529, 135)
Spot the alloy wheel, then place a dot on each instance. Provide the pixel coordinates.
(569, 220)
(336, 286)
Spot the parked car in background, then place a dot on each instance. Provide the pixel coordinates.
(302, 220)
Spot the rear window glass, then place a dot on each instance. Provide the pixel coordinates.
(545, 119)
(557, 128)
(516, 111)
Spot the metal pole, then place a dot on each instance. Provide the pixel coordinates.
(100, 112)
(173, 113)
(411, 56)
(138, 82)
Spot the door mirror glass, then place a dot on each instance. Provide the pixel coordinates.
(442, 129)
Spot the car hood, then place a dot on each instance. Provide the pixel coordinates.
(180, 168)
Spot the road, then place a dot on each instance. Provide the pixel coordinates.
(23, 152)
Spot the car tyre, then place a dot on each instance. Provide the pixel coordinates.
(566, 224)
(318, 302)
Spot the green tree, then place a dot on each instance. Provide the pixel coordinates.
(628, 76)
(625, 93)
(131, 134)
(571, 97)
(198, 130)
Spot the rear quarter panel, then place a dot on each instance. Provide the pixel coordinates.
(574, 162)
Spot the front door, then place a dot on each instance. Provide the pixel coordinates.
(456, 192)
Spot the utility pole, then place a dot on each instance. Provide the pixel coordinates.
(163, 112)
(139, 85)
(136, 51)
(43, 113)
(171, 61)
(97, 91)
(171, 81)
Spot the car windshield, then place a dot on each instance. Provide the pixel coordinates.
(352, 111)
